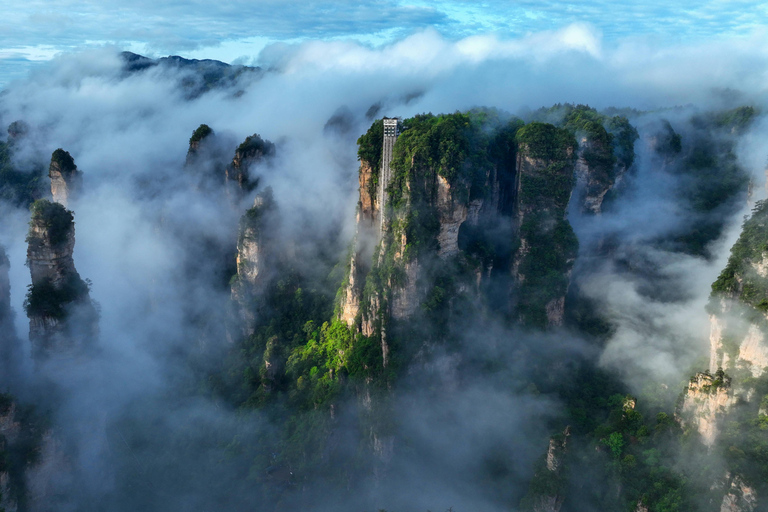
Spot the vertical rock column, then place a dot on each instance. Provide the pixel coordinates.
(62, 317)
(66, 180)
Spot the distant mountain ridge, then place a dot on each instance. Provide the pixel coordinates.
(204, 75)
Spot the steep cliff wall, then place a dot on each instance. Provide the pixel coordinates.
(740, 497)
(739, 304)
(706, 401)
(254, 256)
(62, 317)
(546, 492)
(547, 246)
(452, 179)
(605, 153)
(66, 180)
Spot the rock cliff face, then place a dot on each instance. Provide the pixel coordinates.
(253, 256)
(707, 399)
(713, 400)
(740, 497)
(66, 180)
(593, 158)
(368, 207)
(739, 303)
(547, 247)
(443, 205)
(62, 317)
(605, 153)
(252, 151)
(366, 237)
(546, 492)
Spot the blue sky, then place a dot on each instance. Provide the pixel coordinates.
(237, 30)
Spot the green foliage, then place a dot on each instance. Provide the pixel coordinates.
(64, 160)
(624, 137)
(552, 184)
(738, 278)
(315, 366)
(547, 142)
(45, 299)
(254, 145)
(370, 146)
(200, 133)
(711, 184)
(54, 218)
(615, 443)
(455, 146)
(552, 249)
(735, 121)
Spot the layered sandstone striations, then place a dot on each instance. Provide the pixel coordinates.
(62, 317)
(66, 179)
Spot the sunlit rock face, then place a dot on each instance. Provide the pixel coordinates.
(706, 401)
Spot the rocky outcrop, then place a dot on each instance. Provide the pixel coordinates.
(198, 137)
(62, 317)
(452, 214)
(66, 180)
(253, 256)
(547, 247)
(349, 302)
(252, 151)
(368, 206)
(366, 237)
(597, 172)
(739, 498)
(739, 302)
(546, 492)
(707, 399)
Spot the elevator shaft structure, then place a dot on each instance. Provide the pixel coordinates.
(391, 131)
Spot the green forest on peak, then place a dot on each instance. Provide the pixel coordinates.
(64, 160)
(54, 218)
(739, 278)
